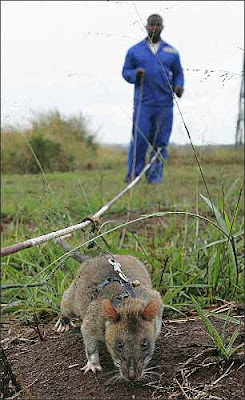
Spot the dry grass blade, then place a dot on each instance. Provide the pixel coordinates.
(227, 372)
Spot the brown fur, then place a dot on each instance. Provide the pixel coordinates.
(133, 322)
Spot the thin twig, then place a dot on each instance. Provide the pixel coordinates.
(224, 375)
(163, 269)
(182, 389)
(37, 329)
(10, 340)
(73, 366)
(241, 366)
(210, 349)
(24, 285)
(23, 390)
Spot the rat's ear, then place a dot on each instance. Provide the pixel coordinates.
(108, 310)
(151, 310)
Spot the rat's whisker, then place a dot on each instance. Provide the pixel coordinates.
(113, 380)
(148, 377)
(151, 373)
(147, 360)
(109, 373)
(117, 364)
(150, 368)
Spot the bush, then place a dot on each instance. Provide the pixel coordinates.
(60, 144)
(50, 155)
(74, 128)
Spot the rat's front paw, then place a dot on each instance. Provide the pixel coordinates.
(63, 325)
(90, 366)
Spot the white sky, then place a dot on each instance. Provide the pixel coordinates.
(68, 55)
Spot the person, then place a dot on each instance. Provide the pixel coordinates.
(154, 67)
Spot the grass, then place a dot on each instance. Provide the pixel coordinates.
(186, 255)
(224, 345)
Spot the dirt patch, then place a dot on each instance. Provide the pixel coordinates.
(186, 366)
(9, 223)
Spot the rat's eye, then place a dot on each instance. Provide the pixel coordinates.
(119, 345)
(145, 344)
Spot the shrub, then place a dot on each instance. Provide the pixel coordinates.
(50, 155)
(57, 127)
(59, 143)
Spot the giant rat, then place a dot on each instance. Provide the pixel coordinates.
(129, 326)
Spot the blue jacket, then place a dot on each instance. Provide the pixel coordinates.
(156, 90)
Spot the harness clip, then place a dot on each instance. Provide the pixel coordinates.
(117, 268)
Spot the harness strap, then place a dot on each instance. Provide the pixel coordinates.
(122, 279)
(129, 289)
(125, 282)
(119, 298)
(101, 285)
(94, 221)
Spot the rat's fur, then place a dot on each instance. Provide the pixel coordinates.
(129, 330)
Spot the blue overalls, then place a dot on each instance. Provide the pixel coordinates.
(153, 104)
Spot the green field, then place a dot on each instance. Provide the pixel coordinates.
(188, 255)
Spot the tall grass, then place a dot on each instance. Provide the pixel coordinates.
(186, 256)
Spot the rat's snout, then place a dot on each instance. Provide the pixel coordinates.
(131, 369)
(132, 373)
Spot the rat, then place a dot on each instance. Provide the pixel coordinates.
(128, 325)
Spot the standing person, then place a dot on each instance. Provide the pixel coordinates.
(152, 65)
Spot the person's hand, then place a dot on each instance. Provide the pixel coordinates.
(140, 72)
(178, 90)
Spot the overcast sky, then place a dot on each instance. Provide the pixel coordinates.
(68, 55)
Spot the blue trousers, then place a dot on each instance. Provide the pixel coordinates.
(154, 125)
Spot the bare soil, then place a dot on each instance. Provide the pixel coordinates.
(186, 365)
